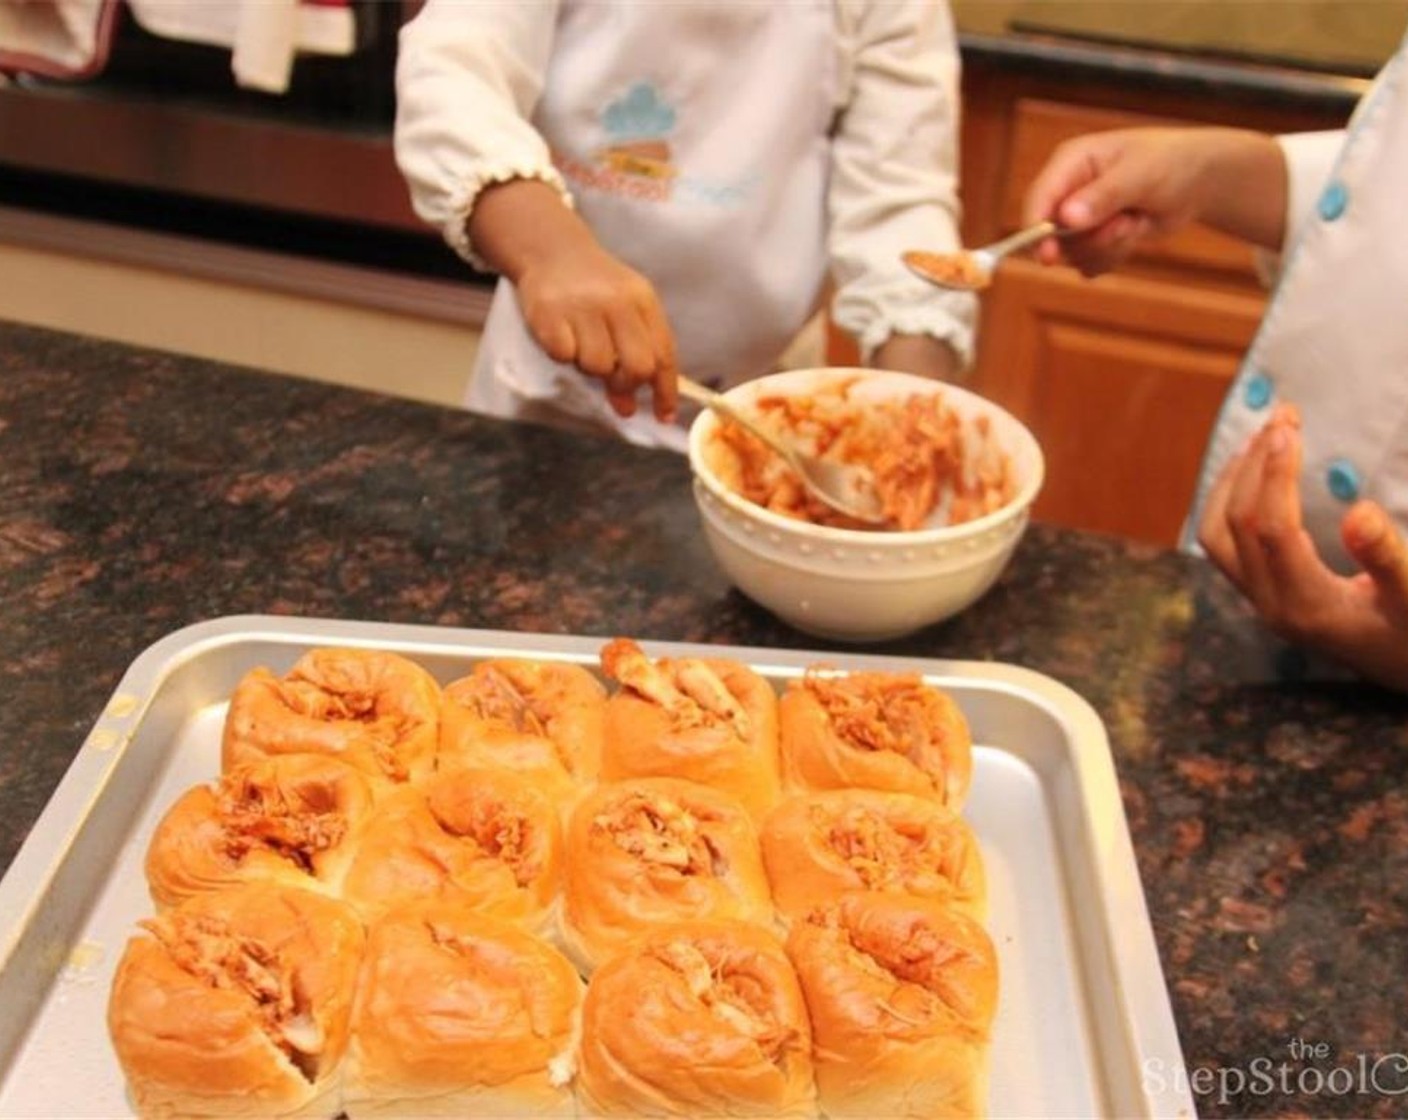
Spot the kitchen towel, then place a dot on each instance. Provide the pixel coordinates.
(55, 38)
(263, 36)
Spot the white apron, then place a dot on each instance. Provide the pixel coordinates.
(1334, 340)
(695, 146)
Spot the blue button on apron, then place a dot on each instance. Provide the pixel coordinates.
(1343, 480)
(1333, 201)
(1256, 393)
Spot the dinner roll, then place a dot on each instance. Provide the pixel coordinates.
(374, 709)
(708, 720)
(236, 1003)
(901, 993)
(482, 836)
(876, 730)
(293, 819)
(654, 850)
(818, 845)
(697, 1019)
(460, 1014)
(543, 719)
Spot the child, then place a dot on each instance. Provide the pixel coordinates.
(669, 187)
(1305, 484)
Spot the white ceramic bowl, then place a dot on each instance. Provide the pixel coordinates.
(862, 585)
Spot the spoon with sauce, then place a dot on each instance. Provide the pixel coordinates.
(844, 487)
(970, 270)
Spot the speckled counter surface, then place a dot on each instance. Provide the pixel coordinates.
(141, 492)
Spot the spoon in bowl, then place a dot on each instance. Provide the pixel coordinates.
(844, 487)
(971, 270)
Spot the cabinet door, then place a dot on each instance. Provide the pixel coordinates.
(1120, 379)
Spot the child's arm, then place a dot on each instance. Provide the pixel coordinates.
(468, 77)
(894, 185)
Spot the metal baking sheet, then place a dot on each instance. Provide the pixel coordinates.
(1084, 1010)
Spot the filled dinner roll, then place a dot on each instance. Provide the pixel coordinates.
(292, 819)
(543, 719)
(876, 730)
(708, 720)
(819, 845)
(374, 709)
(460, 1014)
(482, 836)
(901, 993)
(655, 850)
(696, 1019)
(237, 1003)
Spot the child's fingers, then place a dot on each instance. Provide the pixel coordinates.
(1245, 519)
(1214, 534)
(1376, 546)
(1295, 573)
(596, 350)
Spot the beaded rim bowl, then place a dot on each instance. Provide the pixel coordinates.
(862, 584)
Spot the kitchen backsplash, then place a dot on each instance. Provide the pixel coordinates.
(1351, 35)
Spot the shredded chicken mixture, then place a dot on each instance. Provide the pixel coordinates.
(383, 729)
(929, 466)
(738, 999)
(495, 697)
(879, 711)
(958, 269)
(206, 948)
(687, 689)
(883, 854)
(912, 956)
(660, 831)
(265, 814)
(496, 829)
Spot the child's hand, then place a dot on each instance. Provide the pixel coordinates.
(589, 309)
(1121, 186)
(1252, 530)
(583, 306)
(1118, 186)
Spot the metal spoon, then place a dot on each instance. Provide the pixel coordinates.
(845, 487)
(970, 270)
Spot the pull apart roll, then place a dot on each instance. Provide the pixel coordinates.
(653, 851)
(875, 730)
(376, 710)
(482, 837)
(707, 720)
(543, 719)
(292, 819)
(697, 1019)
(237, 1003)
(459, 1014)
(901, 992)
(817, 846)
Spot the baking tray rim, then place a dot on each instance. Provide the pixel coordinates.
(1148, 1022)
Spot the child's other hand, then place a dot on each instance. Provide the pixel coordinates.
(1252, 530)
(588, 309)
(1118, 187)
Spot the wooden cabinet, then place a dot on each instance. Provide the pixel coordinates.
(1119, 380)
(1121, 377)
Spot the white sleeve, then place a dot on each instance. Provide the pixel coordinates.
(894, 174)
(1310, 157)
(468, 77)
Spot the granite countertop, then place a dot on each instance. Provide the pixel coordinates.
(141, 492)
